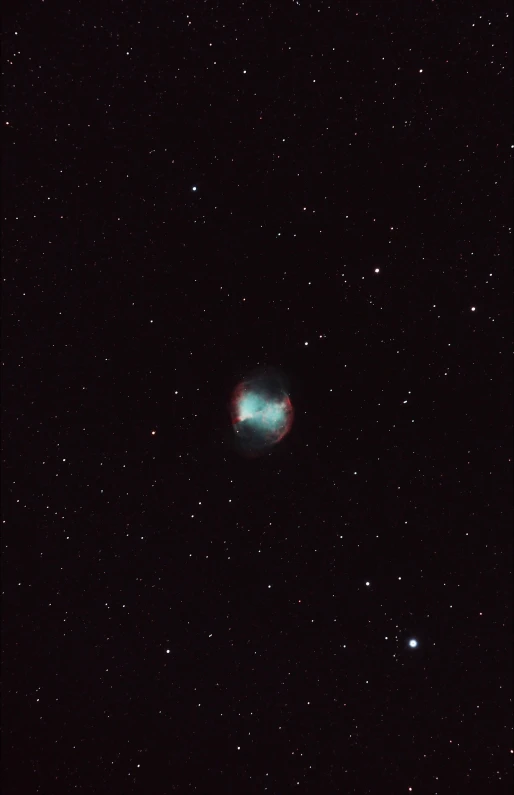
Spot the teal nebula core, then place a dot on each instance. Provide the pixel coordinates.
(261, 413)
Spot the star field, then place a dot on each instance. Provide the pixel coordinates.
(193, 192)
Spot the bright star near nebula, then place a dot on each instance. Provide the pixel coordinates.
(413, 643)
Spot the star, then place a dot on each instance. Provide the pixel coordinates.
(413, 643)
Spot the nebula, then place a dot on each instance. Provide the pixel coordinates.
(261, 411)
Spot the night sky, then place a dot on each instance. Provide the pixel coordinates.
(193, 194)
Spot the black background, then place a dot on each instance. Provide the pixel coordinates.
(176, 617)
